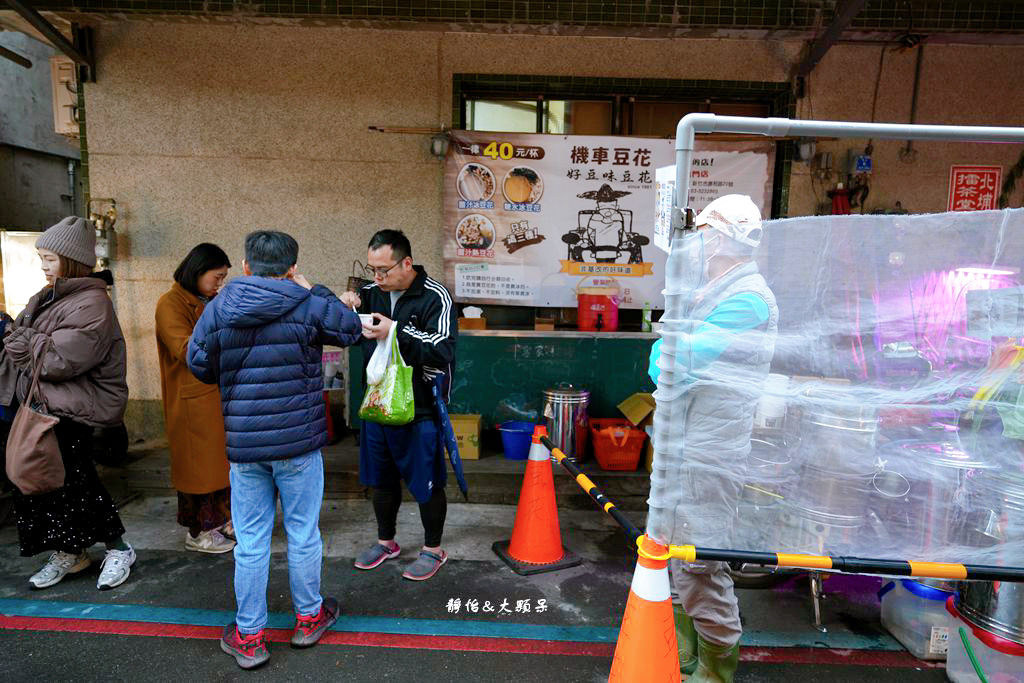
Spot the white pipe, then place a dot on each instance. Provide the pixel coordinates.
(691, 124)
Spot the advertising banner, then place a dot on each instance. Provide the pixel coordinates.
(529, 218)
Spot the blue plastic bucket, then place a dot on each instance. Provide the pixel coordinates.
(516, 438)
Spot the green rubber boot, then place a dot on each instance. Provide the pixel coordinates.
(686, 638)
(715, 664)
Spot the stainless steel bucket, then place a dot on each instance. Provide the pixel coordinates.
(934, 517)
(565, 410)
(1000, 519)
(801, 530)
(836, 437)
(997, 607)
(832, 493)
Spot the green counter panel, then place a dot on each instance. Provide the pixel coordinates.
(502, 376)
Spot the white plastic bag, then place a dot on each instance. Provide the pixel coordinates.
(380, 358)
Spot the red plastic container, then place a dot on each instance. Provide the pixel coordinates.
(598, 301)
(617, 443)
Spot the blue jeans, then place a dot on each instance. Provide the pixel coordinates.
(254, 490)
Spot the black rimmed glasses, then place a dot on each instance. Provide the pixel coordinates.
(380, 272)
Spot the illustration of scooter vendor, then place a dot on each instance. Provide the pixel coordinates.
(605, 232)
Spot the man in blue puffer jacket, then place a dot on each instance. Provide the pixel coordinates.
(261, 340)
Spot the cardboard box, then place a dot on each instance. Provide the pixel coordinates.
(467, 435)
(639, 410)
(545, 326)
(472, 323)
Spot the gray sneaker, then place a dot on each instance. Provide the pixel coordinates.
(212, 541)
(57, 567)
(308, 630)
(249, 651)
(116, 567)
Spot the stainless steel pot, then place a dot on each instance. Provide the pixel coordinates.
(933, 516)
(838, 438)
(830, 493)
(813, 532)
(1001, 519)
(565, 410)
(997, 607)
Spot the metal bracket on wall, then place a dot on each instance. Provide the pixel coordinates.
(80, 50)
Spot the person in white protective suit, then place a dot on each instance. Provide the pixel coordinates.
(722, 356)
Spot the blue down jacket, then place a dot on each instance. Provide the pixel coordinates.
(261, 340)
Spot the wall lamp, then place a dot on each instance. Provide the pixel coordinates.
(439, 144)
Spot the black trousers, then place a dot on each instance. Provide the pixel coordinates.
(386, 502)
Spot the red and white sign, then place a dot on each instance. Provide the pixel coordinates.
(974, 188)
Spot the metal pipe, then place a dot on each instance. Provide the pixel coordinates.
(49, 31)
(71, 186)
(15, 57)
(907, 153)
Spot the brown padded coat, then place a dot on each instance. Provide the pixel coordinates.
(73, 329)
(192, 412)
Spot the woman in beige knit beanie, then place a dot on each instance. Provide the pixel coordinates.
(70, 328)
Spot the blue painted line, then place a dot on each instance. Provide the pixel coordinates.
(420, 627)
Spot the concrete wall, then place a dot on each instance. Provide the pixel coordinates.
(204, 132)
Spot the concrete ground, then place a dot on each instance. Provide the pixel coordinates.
(162, 624)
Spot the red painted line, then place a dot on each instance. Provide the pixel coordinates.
(120, 628)
(460, 643)
(775, 655)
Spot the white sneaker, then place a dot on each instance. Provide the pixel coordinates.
(115, 569)
(57, 567)
(212, 541)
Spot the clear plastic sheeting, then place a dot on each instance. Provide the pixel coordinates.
(885, 416)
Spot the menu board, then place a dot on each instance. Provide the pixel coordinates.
(529, 219)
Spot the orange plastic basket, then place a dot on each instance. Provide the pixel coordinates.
(617, 444)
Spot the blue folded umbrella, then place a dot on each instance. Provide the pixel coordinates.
(448, 436)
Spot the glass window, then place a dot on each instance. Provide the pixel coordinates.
(504, 116)
(578, 117)
(659, 119)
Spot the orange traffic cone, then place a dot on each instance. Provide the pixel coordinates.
(646, 649)
(536, 544)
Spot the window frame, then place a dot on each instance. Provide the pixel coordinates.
(625, 92)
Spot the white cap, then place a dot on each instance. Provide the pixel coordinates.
(734, 215)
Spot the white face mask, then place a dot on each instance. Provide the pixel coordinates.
(698, 250)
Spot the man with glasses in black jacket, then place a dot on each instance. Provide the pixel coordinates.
(402, 295)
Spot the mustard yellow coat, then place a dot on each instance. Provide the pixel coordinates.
(192, 412)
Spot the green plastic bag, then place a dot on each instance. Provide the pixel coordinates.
(390, 400)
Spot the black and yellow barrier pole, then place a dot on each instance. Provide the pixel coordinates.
(595, 493)
(846, 565)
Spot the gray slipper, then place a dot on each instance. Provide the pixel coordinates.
(376, 555)
(425, 566)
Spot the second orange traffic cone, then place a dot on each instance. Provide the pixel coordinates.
(536, 543)
(646, 649)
